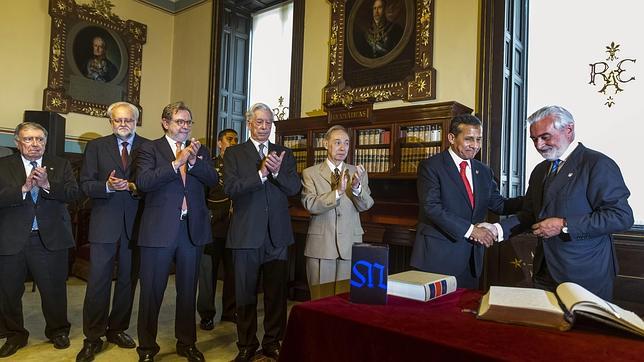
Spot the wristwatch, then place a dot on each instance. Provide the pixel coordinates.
(564, 229)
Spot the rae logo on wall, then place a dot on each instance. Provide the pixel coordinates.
(613, 72)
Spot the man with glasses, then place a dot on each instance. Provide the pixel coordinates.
(35, 237)
(173, 171)
(259, 178)
(106, 177)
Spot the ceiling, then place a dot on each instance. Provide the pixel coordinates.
(245, 6)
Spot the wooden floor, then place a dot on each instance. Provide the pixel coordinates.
(216, 345)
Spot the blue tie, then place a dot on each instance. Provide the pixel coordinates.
(555, 165)
(34, 195)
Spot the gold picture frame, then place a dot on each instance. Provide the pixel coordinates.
(371, 62)
(94, 58)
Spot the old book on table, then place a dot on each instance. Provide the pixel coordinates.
(420, 285)
(538, 307)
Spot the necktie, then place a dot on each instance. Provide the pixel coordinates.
(182, 171)
(336, 178)
(468, 187)
(34, 195)
(261, 151)
(555, 166)
(124, 154)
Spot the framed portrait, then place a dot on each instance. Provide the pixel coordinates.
(94, 58)
(380, 50)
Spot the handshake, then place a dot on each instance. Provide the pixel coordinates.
(484, 233)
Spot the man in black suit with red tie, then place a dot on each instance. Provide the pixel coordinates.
(35, 236)
(106, 178)
(173, 172)
(259, 178)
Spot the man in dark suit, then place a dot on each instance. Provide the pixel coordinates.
(36, 235)
(219, 204)
(259, 177)
(575, 200)
(455, 192)
(173, 172)
(105, 178)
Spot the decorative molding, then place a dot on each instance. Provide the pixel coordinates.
(172, 6)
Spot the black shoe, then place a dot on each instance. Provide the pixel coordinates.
(190, 352)
(60, 341)
(246, 355)
(89, 350)
(121, 339)
(9, 348)
(207, 324)
(272, 351)
(146, 357)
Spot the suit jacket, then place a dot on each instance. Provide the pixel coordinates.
(219, 203)
(335, 224)
(257, 206)
(17, 214)
(445, 215)
(111, 211)
(589, 191)
(164, 191)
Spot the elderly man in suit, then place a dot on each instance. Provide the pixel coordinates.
(259, 178)
(455, 192)
(173, 171)
(335, 215)
(575, 200)
(36, 235)
(106, 178)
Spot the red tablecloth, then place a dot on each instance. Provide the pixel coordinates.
(334, 329)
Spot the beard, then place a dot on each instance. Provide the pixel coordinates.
(123, 133)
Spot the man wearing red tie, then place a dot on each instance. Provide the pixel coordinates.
(173, 172)
(455, 192)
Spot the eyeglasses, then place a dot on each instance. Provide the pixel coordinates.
(122, 121)
(40, 140)
(183, 122)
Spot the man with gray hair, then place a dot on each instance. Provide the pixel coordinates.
(107, 178)
(575, 200)
(36, 236)
(259, 178)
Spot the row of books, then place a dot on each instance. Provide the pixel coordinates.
(319, 156)
(297, 141)
(417, 134)
(376, 136)
(300, 160)
(373, 159)
(318, 140)
(410, 157)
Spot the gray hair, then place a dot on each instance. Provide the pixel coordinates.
(337, 127)
(28, 125)
(250, 113)
(132, 107)
(562, 117)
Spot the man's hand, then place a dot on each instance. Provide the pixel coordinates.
(490, 227)
(482, 236)
(357, 177)
(116, 184)
(40, 178)
(274, 162)
(344, 179)
(548, 228)
(29, 183)
(193, 149)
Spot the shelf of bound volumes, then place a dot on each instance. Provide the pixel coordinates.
(410, 157)
(374, 160)
(300, 160)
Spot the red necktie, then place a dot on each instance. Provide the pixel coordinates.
(467, 183)
(182, 170)
(124, 154)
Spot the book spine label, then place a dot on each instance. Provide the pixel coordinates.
(437, 289)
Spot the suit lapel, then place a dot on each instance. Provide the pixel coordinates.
(325, 173)
(455, 176)
(17, 169)
(251, 151)
(113, 149)
(564, 176)
(164, 148)
(478, 184)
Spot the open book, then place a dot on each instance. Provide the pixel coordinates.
(542, 308)
(420, 285)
